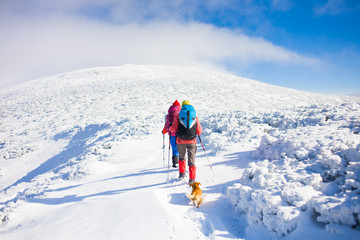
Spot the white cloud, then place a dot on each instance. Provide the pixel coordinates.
(37, 46)
(281, 5)
(119, 11)
(336, 7)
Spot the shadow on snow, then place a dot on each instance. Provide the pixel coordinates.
(76, 146)
(238, 159)
(76, 198)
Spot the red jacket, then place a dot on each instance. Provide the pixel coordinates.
(175, 126)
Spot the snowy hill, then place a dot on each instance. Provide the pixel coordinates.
(81, 158)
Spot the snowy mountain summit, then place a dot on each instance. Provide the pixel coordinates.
(81, 157)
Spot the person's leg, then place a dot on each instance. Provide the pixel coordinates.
(191, 149)
(174, 146)
(182, 164)
(175, 153)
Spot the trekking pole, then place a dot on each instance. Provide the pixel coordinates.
(164, 146)
(169, 159)
(206, 155)
(163, 150)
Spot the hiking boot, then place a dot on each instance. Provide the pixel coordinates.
(191, 181)
(175, 161)
(182, 175)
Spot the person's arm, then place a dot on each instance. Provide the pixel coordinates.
(174, 126)
(167, 123)
(198, 127)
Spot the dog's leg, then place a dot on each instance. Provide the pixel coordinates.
(199, 203)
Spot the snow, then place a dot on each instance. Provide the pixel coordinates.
(82, 158)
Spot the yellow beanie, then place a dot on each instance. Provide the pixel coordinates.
(185, 103)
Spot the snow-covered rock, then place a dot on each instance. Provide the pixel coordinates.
(309, 159)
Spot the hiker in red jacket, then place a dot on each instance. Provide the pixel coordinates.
(187, 126)
(173, 113)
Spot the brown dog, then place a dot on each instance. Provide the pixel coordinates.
(196, 194)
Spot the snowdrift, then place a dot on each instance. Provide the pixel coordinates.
(306, 161)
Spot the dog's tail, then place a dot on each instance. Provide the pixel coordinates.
(190, 196)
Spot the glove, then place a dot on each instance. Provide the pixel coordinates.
(164, 131)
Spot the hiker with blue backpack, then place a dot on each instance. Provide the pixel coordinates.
(187, 126)
(173, 113)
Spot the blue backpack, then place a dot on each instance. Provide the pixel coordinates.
(187, 123)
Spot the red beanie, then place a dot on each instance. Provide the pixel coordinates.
(176, 103)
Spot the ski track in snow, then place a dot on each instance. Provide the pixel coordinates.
(82, 153)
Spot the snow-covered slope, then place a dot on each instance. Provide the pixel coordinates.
(81, 157)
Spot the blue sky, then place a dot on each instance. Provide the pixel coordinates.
(311, 45)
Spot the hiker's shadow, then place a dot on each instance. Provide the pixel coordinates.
(238, 159)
